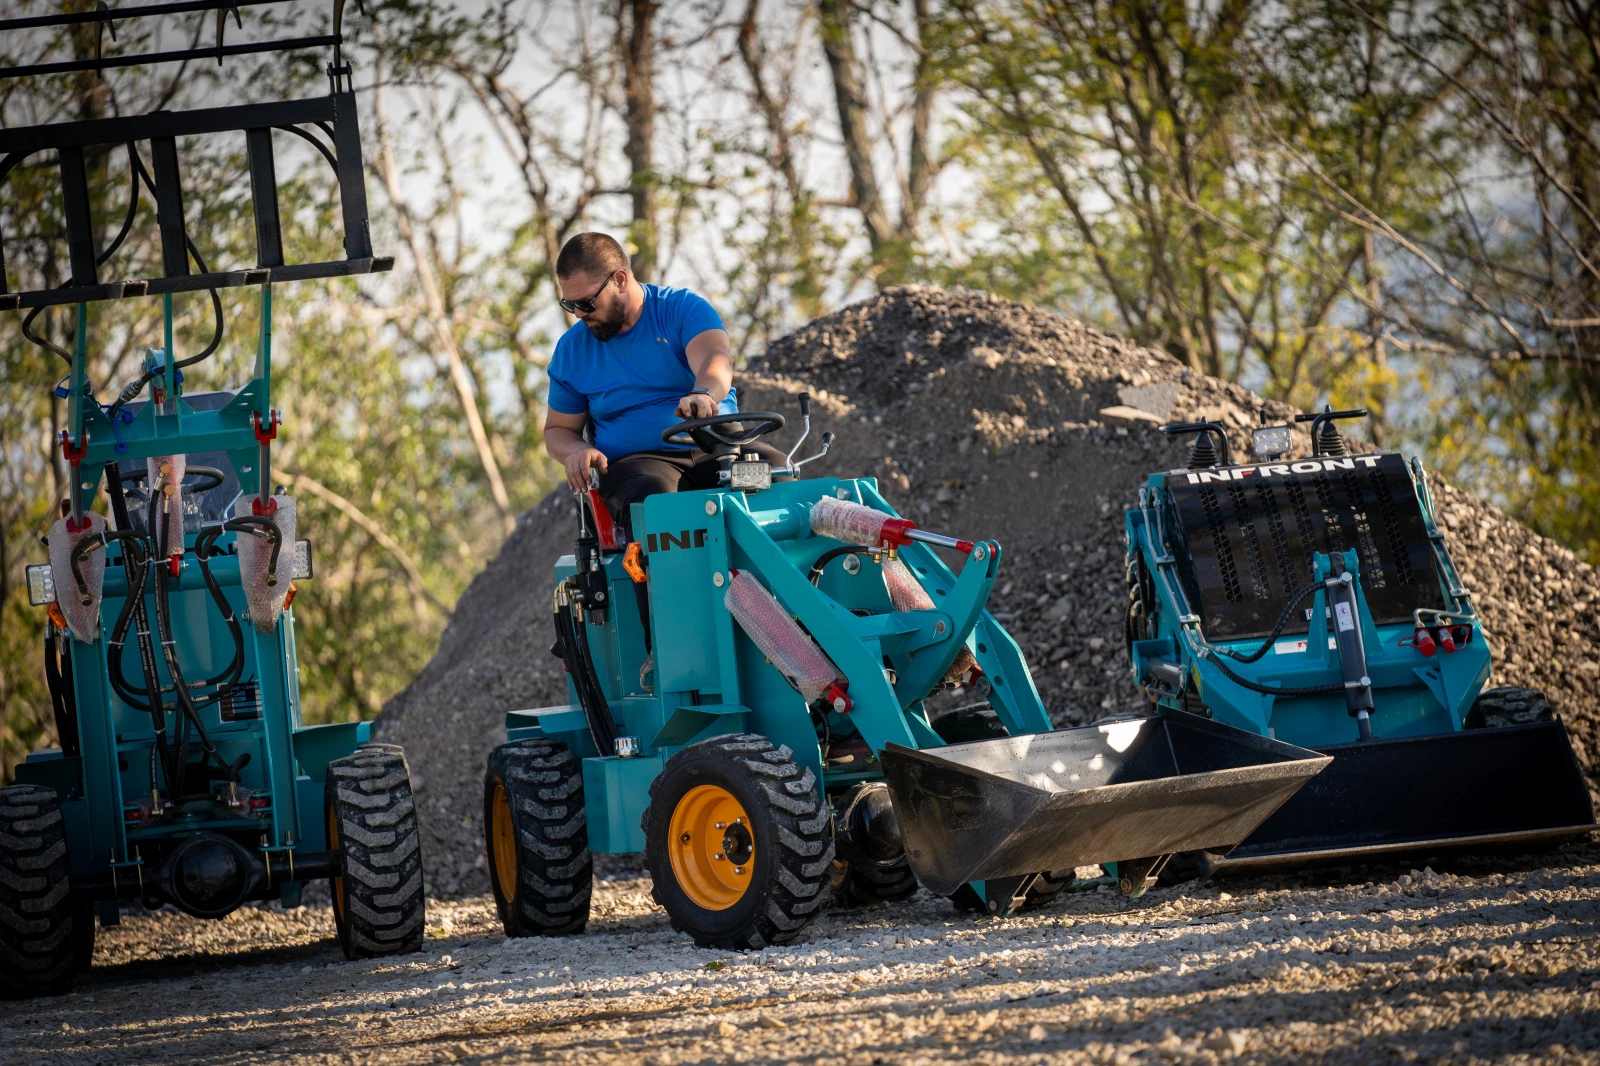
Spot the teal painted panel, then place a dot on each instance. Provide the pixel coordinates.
(317, 745)
(616, 793)
(313, 831)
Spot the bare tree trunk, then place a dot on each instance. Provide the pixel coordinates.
(851, 98)
(438, 317)
(636, 49)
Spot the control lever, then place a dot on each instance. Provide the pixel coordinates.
(1203, 452)
(827, 442)
(605, 528)
(805, 429)
(1325, 439)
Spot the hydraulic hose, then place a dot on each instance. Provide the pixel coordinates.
(1267, 690)
(1277, 630)
(591, 698)
(815, 574)
(191, 713)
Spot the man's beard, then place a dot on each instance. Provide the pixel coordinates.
(609, 326)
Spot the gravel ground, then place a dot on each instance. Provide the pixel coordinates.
(1484, 961)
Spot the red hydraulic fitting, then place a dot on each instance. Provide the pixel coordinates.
(834, 696)
(74, 455)
(264, 433)
(258, 508)
(1447, 640)
(1424, 642)
(897, 533)
(895, 530)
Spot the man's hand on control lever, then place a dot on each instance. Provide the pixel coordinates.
(578, 464)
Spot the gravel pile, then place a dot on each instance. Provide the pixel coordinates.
(980, 417)
(1476, 962)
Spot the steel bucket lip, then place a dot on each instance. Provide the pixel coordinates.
(1307, 767)
(1294, 762)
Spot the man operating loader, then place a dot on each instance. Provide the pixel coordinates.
(639, 359)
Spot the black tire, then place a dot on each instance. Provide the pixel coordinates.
(45, 936)
(976, 721)
(855, 883)
(787, 846)
(1509, 705)
(537, 838)
(378, 902)
(857, 875)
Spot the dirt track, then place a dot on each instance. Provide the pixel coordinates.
(1489, 962)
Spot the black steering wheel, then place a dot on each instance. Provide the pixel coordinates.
(702, 433)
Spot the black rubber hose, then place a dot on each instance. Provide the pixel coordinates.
(134, 561)
(1266, 690)
(829, 556)
(258, 526)
(186, 704)
(89, 544)
(591, 698)
(203, 546)
(63, 701)
(1277, 630)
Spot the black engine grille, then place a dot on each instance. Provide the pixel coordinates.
(1244, 546)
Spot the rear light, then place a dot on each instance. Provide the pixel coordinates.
(260, 801)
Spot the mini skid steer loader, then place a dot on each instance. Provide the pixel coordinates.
(1312, 600)
(748, 679)
(184, 775)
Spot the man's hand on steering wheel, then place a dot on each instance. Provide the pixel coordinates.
(697, 405)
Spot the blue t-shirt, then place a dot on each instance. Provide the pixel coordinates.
(630, 385)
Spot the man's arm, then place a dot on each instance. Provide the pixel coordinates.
(710, 356)
(563, 439)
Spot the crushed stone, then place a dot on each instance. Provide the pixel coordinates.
(1475, 961)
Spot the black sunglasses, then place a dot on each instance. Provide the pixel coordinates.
(586, 306)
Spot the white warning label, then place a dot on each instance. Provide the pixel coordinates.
(1289, 647)
(1344, 616)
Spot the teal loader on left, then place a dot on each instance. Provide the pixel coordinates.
(184, 774)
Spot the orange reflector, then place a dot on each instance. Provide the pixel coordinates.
(289, 597)
(633, 562)
(57, 619)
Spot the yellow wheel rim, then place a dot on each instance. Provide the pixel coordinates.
(712, 847)
(503, 839)
(333, 846)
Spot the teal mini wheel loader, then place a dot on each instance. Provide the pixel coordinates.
(184, 775)
(749, 669)
(1312, 599)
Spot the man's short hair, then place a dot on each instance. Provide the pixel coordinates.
(592, 254)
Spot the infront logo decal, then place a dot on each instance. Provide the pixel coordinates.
(1306, 466)
(686, 538)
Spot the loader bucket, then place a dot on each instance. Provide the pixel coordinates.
(1110, 792)
(1508, 786)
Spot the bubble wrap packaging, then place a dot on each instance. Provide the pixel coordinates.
(849, 522)
(907, 594)
(170, 515)
(82, 618)
(794, 653)
(266, 601)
